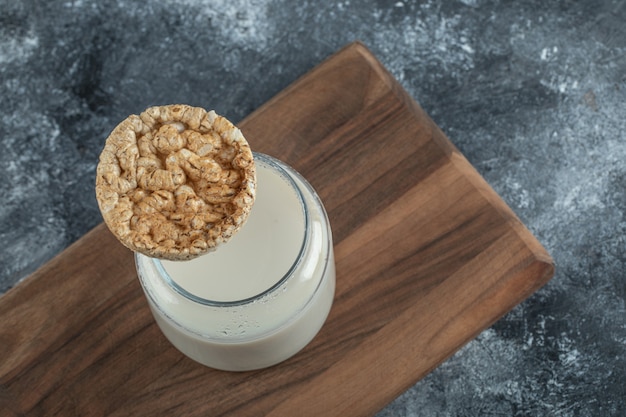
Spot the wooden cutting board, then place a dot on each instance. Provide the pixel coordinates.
(427, 257)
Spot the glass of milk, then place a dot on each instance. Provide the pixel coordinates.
(262, 296)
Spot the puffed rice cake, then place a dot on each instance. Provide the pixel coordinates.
(175, 181)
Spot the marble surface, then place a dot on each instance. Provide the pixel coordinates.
(533, 93)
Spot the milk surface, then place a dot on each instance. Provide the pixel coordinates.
(256, 257)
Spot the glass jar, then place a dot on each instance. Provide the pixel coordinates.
(262, 296)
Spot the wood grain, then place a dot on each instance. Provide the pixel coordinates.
(427, 256)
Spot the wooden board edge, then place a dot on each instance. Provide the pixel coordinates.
(353, 47)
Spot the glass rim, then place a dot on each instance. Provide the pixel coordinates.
(283, 170)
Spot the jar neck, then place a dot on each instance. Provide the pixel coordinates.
(276, 167)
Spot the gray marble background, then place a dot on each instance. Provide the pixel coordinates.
(532, 92)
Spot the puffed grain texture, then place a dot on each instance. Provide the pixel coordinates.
(175, 181)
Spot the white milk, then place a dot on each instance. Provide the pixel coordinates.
(259, 298)
(256, 257)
